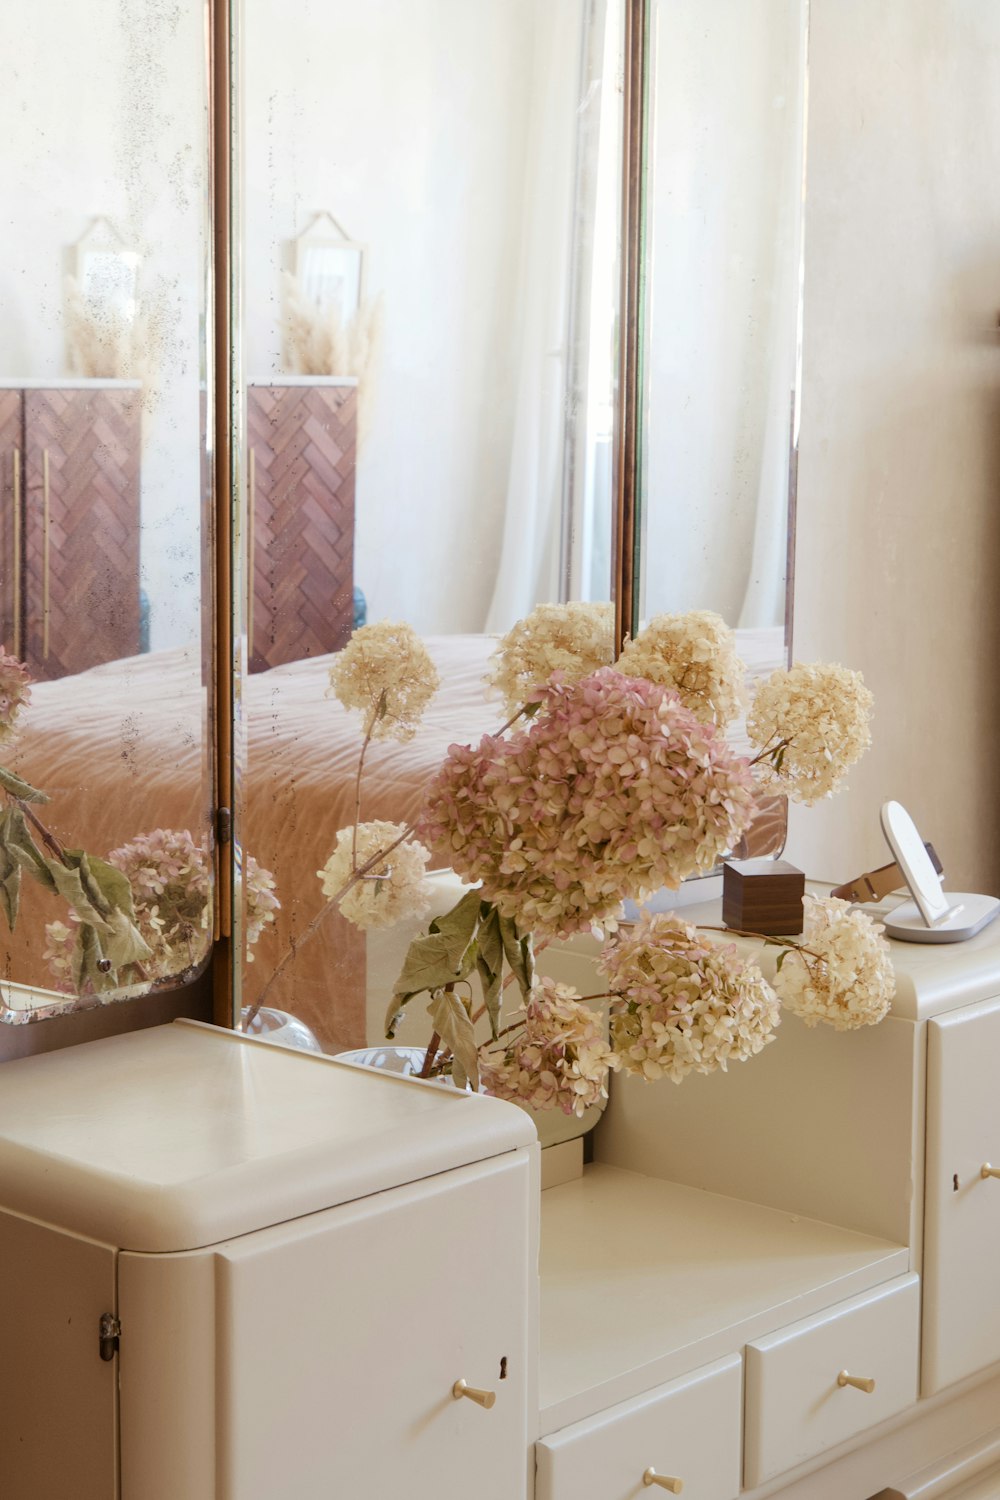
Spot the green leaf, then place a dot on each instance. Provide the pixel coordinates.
(779, 760)
(489, 963)
(17, 838)
(519, 954)
(459, 925)
(124, 944)
(430, 964)
(451, 1021)
(781, 959)
(19, 788)
(10, 883)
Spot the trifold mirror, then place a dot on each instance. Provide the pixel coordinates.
(439, 343)
(515, 295)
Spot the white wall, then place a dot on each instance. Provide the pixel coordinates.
(898, 557)
(410, 123)
(103, 111)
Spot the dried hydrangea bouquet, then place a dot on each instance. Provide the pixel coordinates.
(137, 916)
(609, 781)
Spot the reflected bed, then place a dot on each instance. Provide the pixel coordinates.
(112, 775)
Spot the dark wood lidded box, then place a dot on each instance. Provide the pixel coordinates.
(763, 895)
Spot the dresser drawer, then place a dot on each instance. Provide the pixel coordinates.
(688, 1430)
(795, 1405)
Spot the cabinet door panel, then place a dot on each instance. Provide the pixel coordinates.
(342, 1335)
(962, 1224)
(57, 1396)
(81, 578)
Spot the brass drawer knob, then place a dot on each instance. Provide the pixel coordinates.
(987, 1171)
(664, 1481)
(481, 1398)
(859, 1382)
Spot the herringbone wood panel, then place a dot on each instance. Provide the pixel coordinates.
(92, 438)
(11, 443)
(303, 440)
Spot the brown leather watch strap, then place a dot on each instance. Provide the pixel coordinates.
(875, 884)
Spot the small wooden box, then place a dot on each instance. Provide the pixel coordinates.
(763, 895)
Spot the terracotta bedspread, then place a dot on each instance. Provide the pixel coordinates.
(303, 750)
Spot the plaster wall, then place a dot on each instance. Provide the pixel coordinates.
(898, 550)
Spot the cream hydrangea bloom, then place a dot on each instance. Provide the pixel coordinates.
(15, 693)
(385, 672)
(695, 654)
(687, 1005)
(560, 1060)
(392, 890)
(842, 974)
(574, 639)
(811, 722)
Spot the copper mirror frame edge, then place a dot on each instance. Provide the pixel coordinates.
(224, 490)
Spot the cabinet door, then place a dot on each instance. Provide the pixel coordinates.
(11, 517)
(342, 1336)
(58, 1398)
(961, 1325)
(81, 578)
(301, 478)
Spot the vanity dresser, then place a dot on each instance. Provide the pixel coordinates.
(239, 1272)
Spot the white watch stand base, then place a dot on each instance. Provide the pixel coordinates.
(968, 915)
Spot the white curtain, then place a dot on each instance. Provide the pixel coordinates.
(528, 568)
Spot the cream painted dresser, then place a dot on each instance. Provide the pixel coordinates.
(304, 1258)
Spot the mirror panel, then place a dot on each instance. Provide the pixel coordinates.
(722, 319)
(105, 572)
(431, 207)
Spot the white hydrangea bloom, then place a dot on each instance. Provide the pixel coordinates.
(574, 639)
(695, 654)
(394, 888)
(842, 974)
(811, 723)
(385, 672)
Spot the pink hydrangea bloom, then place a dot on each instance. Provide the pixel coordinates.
(615, 790)
(560, 1060)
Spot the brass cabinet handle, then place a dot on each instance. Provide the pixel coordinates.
(251, 545)
(482, 1398)
(17, 552)
(859, 1382)
(988, 1171)
(664, 1481)
(46, 518)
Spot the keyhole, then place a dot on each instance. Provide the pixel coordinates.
(954, 1183)
(503, 1368)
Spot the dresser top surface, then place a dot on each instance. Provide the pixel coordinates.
(186, 1135)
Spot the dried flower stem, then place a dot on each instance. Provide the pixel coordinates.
(357, 789)
(48, 839)
(294, 944)
(762, 937)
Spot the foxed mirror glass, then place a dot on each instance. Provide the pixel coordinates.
(431, 205)
(105, 571)
(724, 193)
